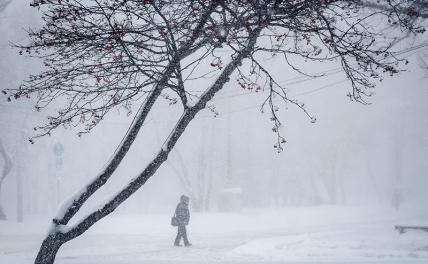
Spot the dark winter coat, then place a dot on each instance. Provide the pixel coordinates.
(182, 214)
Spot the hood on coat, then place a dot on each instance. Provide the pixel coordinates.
(184, 199)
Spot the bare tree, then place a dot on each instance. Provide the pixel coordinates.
(6, 170)
(101, 55)
(197, 185)
(7, 160)
(4, 4)
(424, 62)
(412, 10)
(418, 11)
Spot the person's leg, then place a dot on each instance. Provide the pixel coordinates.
(186, 241)
(178, 237)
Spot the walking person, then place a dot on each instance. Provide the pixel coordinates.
(181, 219)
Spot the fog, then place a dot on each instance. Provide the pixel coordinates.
(335, 192)
(353, 155)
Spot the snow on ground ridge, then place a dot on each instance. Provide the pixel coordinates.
(360, 244)
(292, 235)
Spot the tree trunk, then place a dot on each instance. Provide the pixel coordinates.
(2, 213)
(57, 237)
(19, 196)
(3, 4)
(6, 170)
(49, 249)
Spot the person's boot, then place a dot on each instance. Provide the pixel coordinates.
(188, 244)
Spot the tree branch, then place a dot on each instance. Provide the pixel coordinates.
(70, 208)
(188, 115)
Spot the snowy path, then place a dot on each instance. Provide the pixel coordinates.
(290, 236)
(126, 249)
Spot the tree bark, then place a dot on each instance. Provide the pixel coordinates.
(52, 243)
(49, 249)
(77, 201)
(57, 237)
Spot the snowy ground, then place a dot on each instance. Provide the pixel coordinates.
(295, 235)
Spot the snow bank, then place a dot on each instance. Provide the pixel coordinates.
(291, 235)
(361, 243)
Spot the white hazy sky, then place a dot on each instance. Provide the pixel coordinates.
(362, 153)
